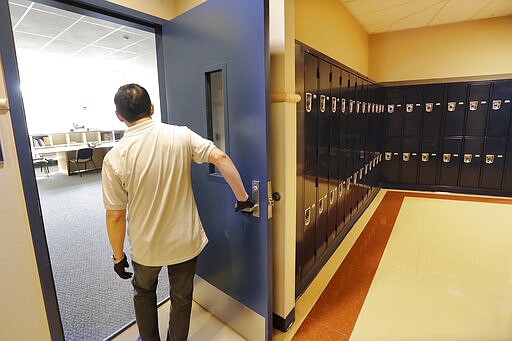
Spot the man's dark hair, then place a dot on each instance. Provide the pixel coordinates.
(132, 102)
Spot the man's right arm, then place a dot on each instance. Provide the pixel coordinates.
(223, 162)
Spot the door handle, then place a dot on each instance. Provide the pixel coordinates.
(256, 198)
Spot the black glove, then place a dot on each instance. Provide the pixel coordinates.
(120, 266)
(246, 207)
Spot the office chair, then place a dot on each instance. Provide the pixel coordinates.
(83, 155)
(38, 160)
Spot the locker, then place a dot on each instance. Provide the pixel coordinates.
(409, 160)
(455, 108)
(413, 111)
(333, 151)
(499, 109)
(507, 172)
(493, 162)
(450, 159)
(471, 162)
(391, 159)
(324, 93)
(478, 103)
(394, 111)
(428, 160)
(344, 153)
(432, 107)
(311, 105)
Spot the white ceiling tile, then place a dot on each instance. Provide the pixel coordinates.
(101, 22)
(119, 40)
(16, 13)
(397, 13)
(94, 52)
(44, 23)
(84, 32)
(418, 19)
(21, 2)
(496, 8)
(143, 46)
(458, 10)
(63, 47)
(29, 41)
(56, 11)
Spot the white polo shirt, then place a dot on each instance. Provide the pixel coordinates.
(148, 172)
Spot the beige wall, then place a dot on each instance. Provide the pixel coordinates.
(22, 312)
(469, 49)
(163, 9)
(328, 27)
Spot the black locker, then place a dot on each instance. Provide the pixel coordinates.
(493, 162)
(409, 160)
(333, 151)
(450, 158)
(455, 108)
(478, 103)
(324, 94)
(413, 111)
(343, 157)
(432, 107)
(364, 119)
(428, 160)
(394, 111)
(310, 160)
(499, 109)
(507, 172)
(391, 159)
(471, 162)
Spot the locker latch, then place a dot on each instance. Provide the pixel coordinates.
(424, 157)
(447, 157)
(429, 107)
(387, 156)
(496, 104)
(391, 108)
(406, 156)
(473, 105)
(309, 101)
(358, 105)
(351, 106)
(332, 196)
(409, 107)
(468, 158)
(321, 204)
(343, 102)
(451, 106)
(334, 103)
(340, 189)
(307, 216)
(489, 158)
(322, 103)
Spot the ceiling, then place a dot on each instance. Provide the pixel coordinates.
(44, 29)
(378, 16)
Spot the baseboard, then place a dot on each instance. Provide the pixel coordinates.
(283, 324)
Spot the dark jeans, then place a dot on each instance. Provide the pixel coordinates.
(144, 282)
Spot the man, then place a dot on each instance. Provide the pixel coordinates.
(146, 181)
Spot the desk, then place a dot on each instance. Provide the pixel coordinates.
(64, 153)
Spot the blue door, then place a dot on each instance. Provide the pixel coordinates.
(214, 62)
